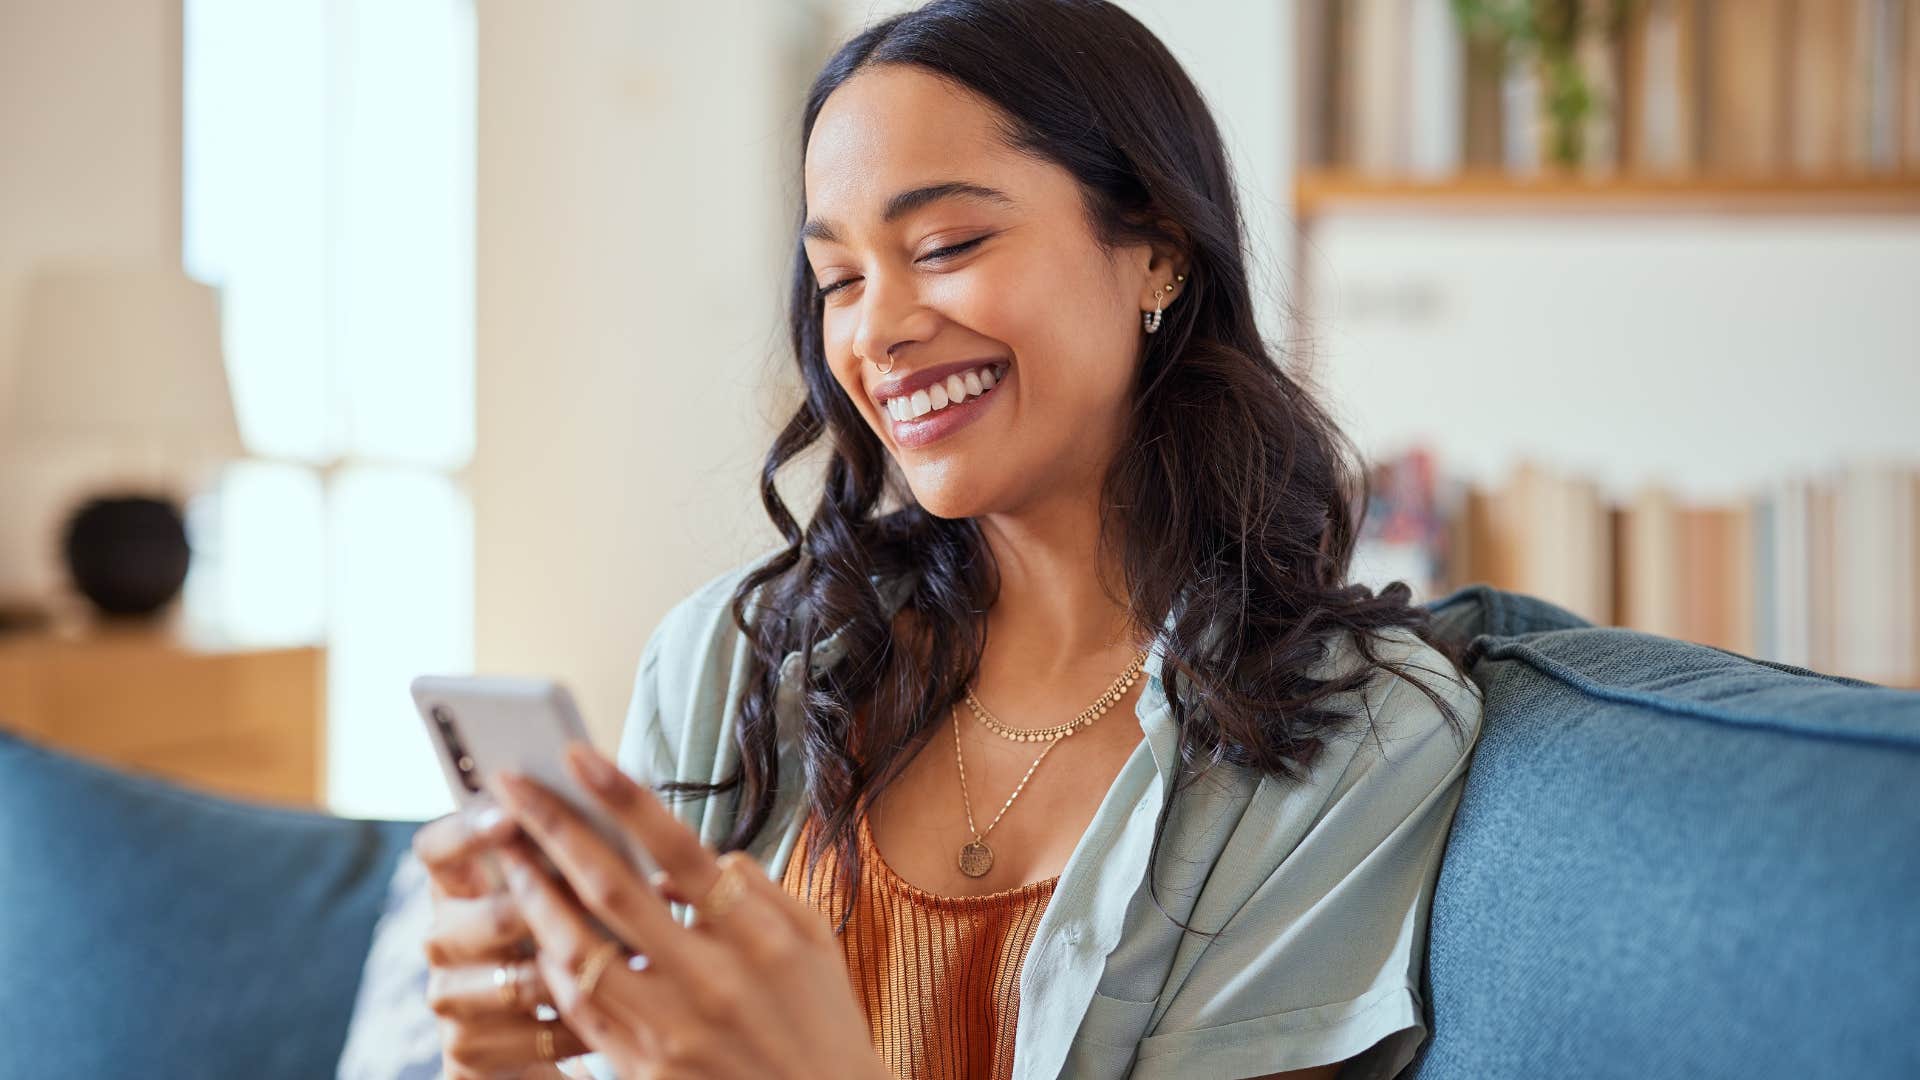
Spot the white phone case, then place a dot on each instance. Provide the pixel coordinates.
(518, 724)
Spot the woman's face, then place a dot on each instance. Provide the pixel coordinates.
(902, 168)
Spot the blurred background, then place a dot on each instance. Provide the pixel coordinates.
(343, 341)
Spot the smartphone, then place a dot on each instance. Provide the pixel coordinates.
(481, 724)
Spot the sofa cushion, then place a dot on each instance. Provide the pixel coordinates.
(1672, 860)
(149, 929)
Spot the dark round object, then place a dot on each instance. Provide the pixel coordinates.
(128, 554)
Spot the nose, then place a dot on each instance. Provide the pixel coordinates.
(891, 317)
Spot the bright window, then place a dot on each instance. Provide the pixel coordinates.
(329, 195)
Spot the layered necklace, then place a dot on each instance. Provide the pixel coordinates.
(976, 858)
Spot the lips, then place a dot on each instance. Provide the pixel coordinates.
(904, 385)
(934, 426)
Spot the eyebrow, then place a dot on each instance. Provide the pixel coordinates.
(906, 202)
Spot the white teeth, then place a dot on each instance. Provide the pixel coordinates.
(950, 391)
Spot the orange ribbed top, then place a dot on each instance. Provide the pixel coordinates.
(938, 976)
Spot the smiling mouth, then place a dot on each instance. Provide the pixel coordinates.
(954, 390)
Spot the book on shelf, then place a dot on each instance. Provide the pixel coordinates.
(1819, 570)
(1747, 63)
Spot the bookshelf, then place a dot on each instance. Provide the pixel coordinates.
(1417, 127)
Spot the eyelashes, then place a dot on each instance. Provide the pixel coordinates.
(937, 253)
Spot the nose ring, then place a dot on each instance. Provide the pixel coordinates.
(889, 368)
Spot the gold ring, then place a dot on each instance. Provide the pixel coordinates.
(543, 1042)
(726, 891)
(590, 971)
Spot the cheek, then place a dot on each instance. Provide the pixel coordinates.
(1069, 332)
(841, 361)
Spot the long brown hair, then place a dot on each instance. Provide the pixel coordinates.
(1241, 500)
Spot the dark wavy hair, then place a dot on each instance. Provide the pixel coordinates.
(1233, 503)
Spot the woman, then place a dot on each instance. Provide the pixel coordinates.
(1056, 742)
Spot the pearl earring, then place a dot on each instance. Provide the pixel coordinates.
(1151, 319)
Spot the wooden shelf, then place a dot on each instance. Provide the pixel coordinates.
(1319, 192)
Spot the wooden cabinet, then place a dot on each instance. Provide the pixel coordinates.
(246, 723)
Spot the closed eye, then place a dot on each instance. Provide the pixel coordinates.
(937, 253)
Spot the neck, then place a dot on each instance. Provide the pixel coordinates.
(1059, 610)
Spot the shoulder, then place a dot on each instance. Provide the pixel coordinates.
(1403, 700)
(700, 624)
(1319, 886)
(1400, 746)
(689, 671)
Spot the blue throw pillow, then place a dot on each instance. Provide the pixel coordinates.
(1672, 860)
(153, 931)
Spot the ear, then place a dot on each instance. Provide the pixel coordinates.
(1163, 266)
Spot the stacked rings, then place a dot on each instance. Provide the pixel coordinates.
(506, 981)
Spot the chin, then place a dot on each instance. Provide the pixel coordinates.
(944, 490)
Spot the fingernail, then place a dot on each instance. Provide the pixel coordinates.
(593, 766)
(486, 818)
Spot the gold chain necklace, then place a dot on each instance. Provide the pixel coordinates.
(1087, 716)
(976, 858)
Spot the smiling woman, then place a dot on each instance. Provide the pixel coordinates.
(1072, 499)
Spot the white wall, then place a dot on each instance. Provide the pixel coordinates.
(1713, 355)
(89, 167)
(635, 166)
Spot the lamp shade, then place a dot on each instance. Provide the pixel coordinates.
(123, 355)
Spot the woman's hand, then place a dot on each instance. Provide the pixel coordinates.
(756, 989)
(477, 929)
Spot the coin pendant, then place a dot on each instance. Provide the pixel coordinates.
(976, 858)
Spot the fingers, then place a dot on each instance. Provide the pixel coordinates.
(464, 931)
(486, 1050)
(606, 884)
(782, 911)
(474, 993)
(451, 848)
(765, 923)
(567, 940)
(690, 867)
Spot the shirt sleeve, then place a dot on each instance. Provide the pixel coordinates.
(1323, 961)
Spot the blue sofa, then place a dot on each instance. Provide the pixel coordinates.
(1669, 860)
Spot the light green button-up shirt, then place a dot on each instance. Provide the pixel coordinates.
(1321, 889)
